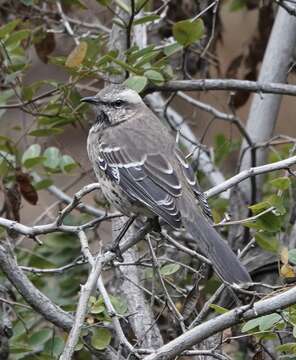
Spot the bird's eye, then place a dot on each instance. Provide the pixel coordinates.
(118, 103)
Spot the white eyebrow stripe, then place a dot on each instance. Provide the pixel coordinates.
(130, 96)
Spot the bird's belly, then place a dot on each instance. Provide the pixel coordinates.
(121, 201)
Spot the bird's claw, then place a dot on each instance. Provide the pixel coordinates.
(116, 250)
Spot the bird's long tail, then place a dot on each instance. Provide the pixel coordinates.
(224, 261)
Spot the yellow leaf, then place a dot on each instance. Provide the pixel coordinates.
(179, 305)
(90, 320)
(287, 271)
(77, 55)
(285, 255)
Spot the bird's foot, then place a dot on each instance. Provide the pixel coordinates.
(115, 248)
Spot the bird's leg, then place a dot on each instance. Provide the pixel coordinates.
(115, 245)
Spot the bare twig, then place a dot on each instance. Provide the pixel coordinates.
(171, 304)
(81, 311)
(66, 22)
(279, 165)
(75, 201)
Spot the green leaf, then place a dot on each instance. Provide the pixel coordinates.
(30, 90)
(46, 132)
(119, 305)
(40, 337)
(251, 325)
(237, 5)
(54, 346)
(292, 256)
(278, 203)
(147, 58)
(218, 309)
(123, 6)
(154, 76)
(40, 261)
(168, 72)
(270, 222)
(97, 308)
(52, 155)
(20, 348)
(34, 161)
(268, 321)
(43, 184)
(145, 19)
(136, 83)
(27, 2)
(5, 95)
(8, 28)
(32, 156)
(67, 163)
(187, 32)
(169, 269)
(79, 346)
(104, 2)
(288, 348)
(101, 338)
(281, 183)
(267, 242)
(16, 37)
(137, 53)
(172, 49)
(223, 147)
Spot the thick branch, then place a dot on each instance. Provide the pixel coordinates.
(85, 293)
(31, 294)
(222, 322)
(225, 84)
(264, 110)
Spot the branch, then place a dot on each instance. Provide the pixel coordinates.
(33, 231)
(61, 195)
(283, 164)
(224, 84)
(274, 71)
(142, 321)
(76, 200)
(28, 102)
(66, 22)
(38, 301)
(86, 290)
(218, 115)
(222, 322)
(289, 8)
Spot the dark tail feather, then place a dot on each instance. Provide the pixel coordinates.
(224, 261)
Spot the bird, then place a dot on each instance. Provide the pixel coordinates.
(142, 172)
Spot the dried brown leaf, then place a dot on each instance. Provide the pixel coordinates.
(45, 46)
(77, 55)
(26, 188)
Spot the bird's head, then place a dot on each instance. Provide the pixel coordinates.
(114, 104)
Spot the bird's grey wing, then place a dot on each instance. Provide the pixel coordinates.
(192, 181)
(145, 177)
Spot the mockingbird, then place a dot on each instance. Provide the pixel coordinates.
(142, 172)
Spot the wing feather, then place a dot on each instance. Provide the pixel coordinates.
(149, 179)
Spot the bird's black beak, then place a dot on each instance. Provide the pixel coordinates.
(90, 100)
